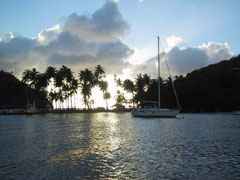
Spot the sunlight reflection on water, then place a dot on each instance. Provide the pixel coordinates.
(117, 146)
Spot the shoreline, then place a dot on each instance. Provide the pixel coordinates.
(57, 111)
(68, 111)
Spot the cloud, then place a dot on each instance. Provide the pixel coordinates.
(85, 41)
(71, 51)
(80, 42)
(185, 60)
(14, 52)
(106, 24)
(49, 34)
(173, 41)
(217, 51)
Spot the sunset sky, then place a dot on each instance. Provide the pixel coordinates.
(120, 35)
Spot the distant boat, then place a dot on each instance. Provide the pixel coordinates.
(156, 111)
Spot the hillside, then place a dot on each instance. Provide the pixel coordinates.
(209, 89)
(213, 88)
(14, 93)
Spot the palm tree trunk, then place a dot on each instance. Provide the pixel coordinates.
(107, 105)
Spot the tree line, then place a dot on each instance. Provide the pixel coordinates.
(60, 85)
(212, 88)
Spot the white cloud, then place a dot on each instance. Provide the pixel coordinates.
(85, 41)
(173, 41)
(105, 24)
(7, 37)
(184, 60)
(81, 42)
(49, 34)
(140, 55)
(217, 51)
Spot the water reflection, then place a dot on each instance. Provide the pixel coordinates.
(95, 144)
(117, 146)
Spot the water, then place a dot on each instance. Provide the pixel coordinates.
(118, 146)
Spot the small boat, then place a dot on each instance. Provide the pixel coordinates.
(157, 111)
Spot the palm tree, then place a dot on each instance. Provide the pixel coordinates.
(58, 83)
(99, 73)
(120, 100)
(36, 81)
(50, 72)
(41, 82)
(103, 85)
(53, 97)
(119, 82)
(129, 86)
(30, 77)
(64, 83)
(73, 89)
(106, 96)
(87, 82)
(142, 85)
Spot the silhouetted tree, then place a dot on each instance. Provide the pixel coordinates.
(120, 100)
(106, 96)
(99, 73)
(142, 85)
(128, 85)
(87, 79)
(103, 85)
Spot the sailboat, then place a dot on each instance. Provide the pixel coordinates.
(157, 111)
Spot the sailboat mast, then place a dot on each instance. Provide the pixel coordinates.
(159, 102)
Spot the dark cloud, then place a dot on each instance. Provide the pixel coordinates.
(69, 44)
(105, 24)
(16, 46)
(85, 41)
(114, 50)
(110, 55)
(71, 60)
(182, 61)
(81, 42)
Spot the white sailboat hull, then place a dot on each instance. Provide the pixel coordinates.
(155, 112)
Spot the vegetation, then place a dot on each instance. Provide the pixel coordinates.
(15, 94)
(106, 96)
(209, 89)
(213, 88)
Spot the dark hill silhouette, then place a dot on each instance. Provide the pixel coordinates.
(212, 88)
(13, 93)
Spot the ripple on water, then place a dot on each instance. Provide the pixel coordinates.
(117, 146)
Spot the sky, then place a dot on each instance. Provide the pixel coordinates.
(119, 34)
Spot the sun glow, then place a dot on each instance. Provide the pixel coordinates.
(96, 100)
(97, 95)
